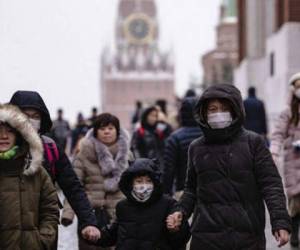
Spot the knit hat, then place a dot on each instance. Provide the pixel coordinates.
(294, 78)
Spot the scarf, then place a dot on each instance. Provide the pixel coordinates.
(9, 154)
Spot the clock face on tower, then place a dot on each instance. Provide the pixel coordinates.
(139, 29)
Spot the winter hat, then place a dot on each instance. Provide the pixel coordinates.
(294, 78)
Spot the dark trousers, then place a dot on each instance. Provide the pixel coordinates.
(83, 245)
(295, 230)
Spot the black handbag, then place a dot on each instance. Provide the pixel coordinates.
(102, 216)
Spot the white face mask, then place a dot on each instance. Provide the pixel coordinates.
(297, 93)
(36, 124)
(219, 120)
(142, 192)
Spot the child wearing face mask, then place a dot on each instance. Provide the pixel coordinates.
(141, 217)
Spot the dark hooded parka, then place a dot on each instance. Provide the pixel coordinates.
(64, 173)
(142, 226)
(230, 175)
(28, 201)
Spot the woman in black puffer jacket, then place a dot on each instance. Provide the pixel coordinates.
(230, 175)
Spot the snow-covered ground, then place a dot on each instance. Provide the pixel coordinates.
(67, 236)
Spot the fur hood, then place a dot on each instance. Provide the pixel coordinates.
(16, 119)
(111, 168)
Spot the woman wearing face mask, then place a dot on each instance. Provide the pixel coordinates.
(102, 158)
(286, 136)
(148, 139)
(230, 175)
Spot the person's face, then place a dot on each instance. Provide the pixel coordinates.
(32, 113)
(107, 135)
(217, 106)
(142, 180)
(152, 118)
(7, 138)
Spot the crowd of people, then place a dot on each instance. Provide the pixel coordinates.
(213, 165)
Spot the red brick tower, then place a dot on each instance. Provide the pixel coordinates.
(138, 70)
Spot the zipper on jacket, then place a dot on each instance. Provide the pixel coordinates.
(21, 183)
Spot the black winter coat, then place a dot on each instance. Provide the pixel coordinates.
(149, 141)
(255, 115)
(230, 175)
(64, 172)
(147, 144)
(142, 226)
(176, 149)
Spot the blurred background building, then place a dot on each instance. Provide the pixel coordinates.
(218, 64)
(138, 70)
(269, 35)
(257, 45)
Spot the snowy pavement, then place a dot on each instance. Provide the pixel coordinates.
(67, 239)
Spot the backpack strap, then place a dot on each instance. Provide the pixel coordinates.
(141, 132)
(160, 134)
(51, 155)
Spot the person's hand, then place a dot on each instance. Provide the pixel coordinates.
(66, 222)
(91, 233)
(174, 221)
(282, 236)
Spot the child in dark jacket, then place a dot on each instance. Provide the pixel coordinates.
(141, 217)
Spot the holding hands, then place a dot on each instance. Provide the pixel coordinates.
(174, 221)
(282, 237)
(91, 233)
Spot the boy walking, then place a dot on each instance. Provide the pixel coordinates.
(141, 217)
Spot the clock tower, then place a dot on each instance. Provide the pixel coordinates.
(137, 70)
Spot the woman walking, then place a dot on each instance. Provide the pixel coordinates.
(28, 201)
(286, 135)
(230, 175)
(102, 158)
(148, 140)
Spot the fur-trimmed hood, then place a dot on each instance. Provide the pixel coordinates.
(16, 119)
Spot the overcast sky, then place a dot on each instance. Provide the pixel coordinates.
(54, 47)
